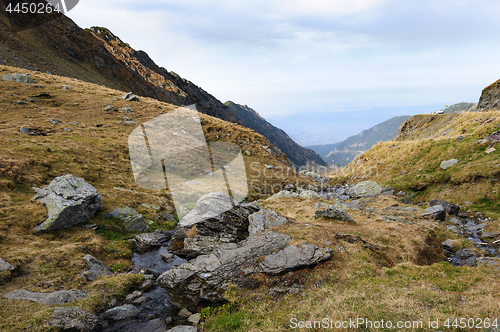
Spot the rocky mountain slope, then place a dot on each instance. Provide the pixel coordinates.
(490, 97)
(296, 153)
(460, 107)
(96, 55)
(344, 152)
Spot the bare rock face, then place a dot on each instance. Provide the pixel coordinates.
(74, 319)
(490, 97)
(4, 266)
(69, 201)
(204, 279)
(21, 78)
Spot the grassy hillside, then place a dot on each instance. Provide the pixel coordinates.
(423, 142)
(459, 107)
(99, 154)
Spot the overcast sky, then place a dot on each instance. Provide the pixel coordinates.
(322, 70)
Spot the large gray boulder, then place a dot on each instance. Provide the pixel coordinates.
(335, 213)
(229, 226)
(96, 269)
(122, 312)
(293, 257)
(366, 189)
(69, 201)
(58, 297)
(74, 319)
(21, 78)
(264, 219)
(450, 208)
(4, 266)
(135, 224)
(208, 276)
(448, 163)
(208, 206)
(147, 240)
(435, 212)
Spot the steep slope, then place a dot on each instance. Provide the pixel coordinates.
(344, 152)
(296, 153)
(96, 55)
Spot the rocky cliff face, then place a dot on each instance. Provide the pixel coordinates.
(490, 97)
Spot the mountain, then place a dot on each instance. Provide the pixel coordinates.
(343, 153)
(460, 107)
(296, 153)
(98, 56)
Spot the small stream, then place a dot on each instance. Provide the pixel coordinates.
(155, 309)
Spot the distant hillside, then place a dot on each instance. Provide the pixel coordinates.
(343, 153)
(460, 107)
(296, 153)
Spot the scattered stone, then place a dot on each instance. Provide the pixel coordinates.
(99, 125)
(166, 216)
(122, 213)
(135, 223)
(435, 212)
(491, 261)
(130, 97)
(450, 243)
(269, 166)
(67, 129)
(110, 108)
(392, 146)
(66, 87)
(448, 163)
(59, 297)
(460, 138)
(153, 207)
(293, 258)
(184, 313)
(31, 100)
(419, 186)
(465, 257)
(194, 319)
(4, 266)
(21, 78)
(54, 121)
(74, 319)
(264, 219)
(453, 229)
(333, 213)
(309, 194)
(122, 312)
(24, 130)
(285, 194)
(396, 219)
(456, 221)
(69, 201)
(486, 235)
(96, 269)
(183, 328)
(43, 95)
(168, 257)
(366, 189)
(490, 150)
(131, 297)
(74, 123)
(450, 208)
(148, 240)
(20, 102)
(126, 109)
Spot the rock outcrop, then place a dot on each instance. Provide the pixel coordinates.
(74, 319)
(264, 219)
(490, 97)
(450, 208)
(58, 297)
(205, 278)
(96, 268)
(69, 201)
(436, 212)
(335, 213)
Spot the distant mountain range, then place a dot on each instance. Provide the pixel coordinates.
(343, 153)
(98, 56)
